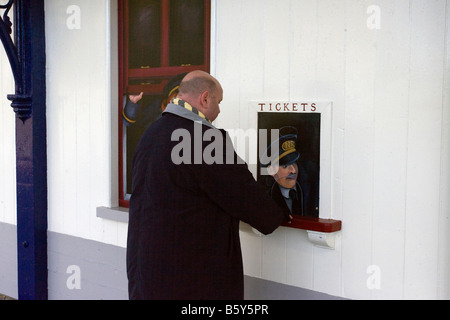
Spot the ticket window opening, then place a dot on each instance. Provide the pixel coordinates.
(307, 142)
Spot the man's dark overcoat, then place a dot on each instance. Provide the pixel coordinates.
(183, 238)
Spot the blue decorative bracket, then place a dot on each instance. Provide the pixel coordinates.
(5, 34)
(21, 100)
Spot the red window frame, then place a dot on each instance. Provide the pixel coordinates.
(164, 72)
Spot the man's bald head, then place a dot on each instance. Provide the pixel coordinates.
(202, 91)
(197, 82)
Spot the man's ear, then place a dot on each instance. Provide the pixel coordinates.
(204, 99)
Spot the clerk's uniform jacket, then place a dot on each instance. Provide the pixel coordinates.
(290, 203)
(183, 239)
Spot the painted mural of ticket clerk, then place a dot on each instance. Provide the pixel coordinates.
(283, 171)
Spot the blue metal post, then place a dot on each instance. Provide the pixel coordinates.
(27, 58)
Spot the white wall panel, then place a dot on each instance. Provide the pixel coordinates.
(424, 147)
(80, 115)
(444, 218)
(389, 136)
(303, 77)
(303, 49)
(359, 150)
(277, 17)
(391, 131)
(277, 54)
(252, 60)
(228, 56)
(7, 144)
(299, 259)
(251, 246)
(330, 85)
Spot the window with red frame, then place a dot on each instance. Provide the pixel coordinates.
(158, 39)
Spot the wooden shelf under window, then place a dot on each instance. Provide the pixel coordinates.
(314, 224)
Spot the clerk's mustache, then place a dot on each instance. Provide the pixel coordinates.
(292, 176)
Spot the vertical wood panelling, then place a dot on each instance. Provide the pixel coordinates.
(99, 122)
(274, 256)
(251, 81)
(303, 49)
(299, 259)
(358, 150)
(7, 145)
(79, 107)
(424, 147)
(61, 119)
(277, 30)
(444, 218)
(252, 61)
(300, 262)
(330, 85)
(278, 71)
(277, 57)
(390, 139)
(228, 60)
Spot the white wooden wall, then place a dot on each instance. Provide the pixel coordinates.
(390, 175)
(390, 136)
(82, 118)
(7, 144)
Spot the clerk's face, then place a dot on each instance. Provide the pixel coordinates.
(286, 176)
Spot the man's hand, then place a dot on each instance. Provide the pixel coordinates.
(136, 98)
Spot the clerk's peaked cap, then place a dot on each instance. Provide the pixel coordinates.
(287, 148)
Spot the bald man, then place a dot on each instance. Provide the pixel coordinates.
(183, 237)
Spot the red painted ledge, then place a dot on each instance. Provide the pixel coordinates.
(314, 224)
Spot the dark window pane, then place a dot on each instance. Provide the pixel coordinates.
(144, 33)
(187, 34)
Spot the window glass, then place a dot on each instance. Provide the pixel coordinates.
(144, 34)
(187, 33)
(159, 39)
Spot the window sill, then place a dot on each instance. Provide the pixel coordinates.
(314, 224)
(118, 214)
